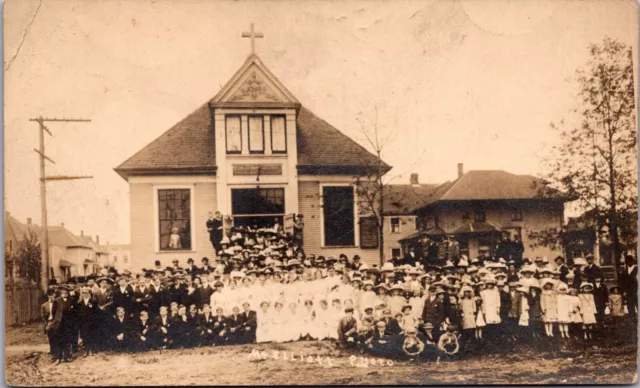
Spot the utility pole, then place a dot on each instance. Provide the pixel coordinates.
(44, 243)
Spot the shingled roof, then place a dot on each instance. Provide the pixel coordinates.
(488, 185)
(189, 147)
(402, 199)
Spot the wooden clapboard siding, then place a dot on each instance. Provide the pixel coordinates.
(143, 228)
(21, 302)
(309, 206)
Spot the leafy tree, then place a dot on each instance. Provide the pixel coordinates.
(596, 160)
(28, 258)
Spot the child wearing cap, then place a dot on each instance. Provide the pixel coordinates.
(412, 346)
(587, 309)
(347, 329)
(549, 306)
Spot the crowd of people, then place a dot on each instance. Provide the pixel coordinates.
(262, 287)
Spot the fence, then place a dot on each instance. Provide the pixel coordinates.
(21, 302)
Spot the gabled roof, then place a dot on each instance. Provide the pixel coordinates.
(61, 237)
(189, 146)
(322, 147)
(402, 199)
(490, 185)
(16, 230)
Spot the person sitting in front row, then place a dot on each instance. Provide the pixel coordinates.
(347, 329)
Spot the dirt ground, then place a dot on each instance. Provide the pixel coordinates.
(243, 365)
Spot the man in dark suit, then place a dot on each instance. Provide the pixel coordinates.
(562, 268)
(51, 314)
(205, 326)
(87, 313)
(191, 270)
(215, 229)
(142, 297)
(67, 324)
(122, 336)
(204, 293)
(206, 268)
(629, 284)
(249, 324)
(163, 328)
(391, 324)
(220, 327)
(591, 270)
(234, 326)
(123, 296)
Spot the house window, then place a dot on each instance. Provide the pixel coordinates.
(395, 225)
(395, 252)
(234, 134)
(516, 215)
(126, 259)
(480, 216)
(339, 219)
(257, 207)
(278, 135)
(256, 134)
(174, 216)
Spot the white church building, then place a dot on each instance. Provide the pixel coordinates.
(254, 153)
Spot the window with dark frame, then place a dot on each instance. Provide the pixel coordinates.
(480, 216)
(396, 252)
(174, 217)
(395, 225)
(339, 219)
(256, 134)
(257, 207)
(278, 134)
(233, 125)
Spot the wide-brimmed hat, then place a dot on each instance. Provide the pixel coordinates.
(387, 267)
(544, 282)
(397, 286)
(586, 285)
(104, 278)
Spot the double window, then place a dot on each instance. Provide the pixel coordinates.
(255, 133)
(174, 217)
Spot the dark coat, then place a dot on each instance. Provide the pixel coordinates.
(53, 324)
(143, 300)
(123, 299)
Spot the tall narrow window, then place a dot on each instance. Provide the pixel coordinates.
(174, 215)
(395, 225)
(339, 219)
(234, 134)
(278, 135)
(256, 135)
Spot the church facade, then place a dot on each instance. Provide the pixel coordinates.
(257, 155)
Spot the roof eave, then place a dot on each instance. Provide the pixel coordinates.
(125, 173)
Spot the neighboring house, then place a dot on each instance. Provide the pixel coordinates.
(119, 256)
(399, 222)
(255, 154)
(14, 233)
(70, 255)
(479, 206)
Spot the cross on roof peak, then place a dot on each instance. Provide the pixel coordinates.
(253, 35)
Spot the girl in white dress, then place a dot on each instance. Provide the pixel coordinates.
(417, 303)
(279, 322)
(564, 313)
(491, 303)
(263, 331)
(294, 324)
(323, 321)
(308, 320)
(587, 309)
(367, 296)
(549, 305)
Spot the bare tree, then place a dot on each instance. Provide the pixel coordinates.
(370, 186)
(596, 161)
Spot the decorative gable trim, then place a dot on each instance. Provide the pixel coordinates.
(253, 85)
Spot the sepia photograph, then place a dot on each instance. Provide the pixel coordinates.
(314, 192)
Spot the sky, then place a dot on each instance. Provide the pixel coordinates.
(466, 81)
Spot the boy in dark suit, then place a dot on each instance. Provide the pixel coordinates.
(87, 313)
(249, 324)
(163, 328)
(121, 331)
